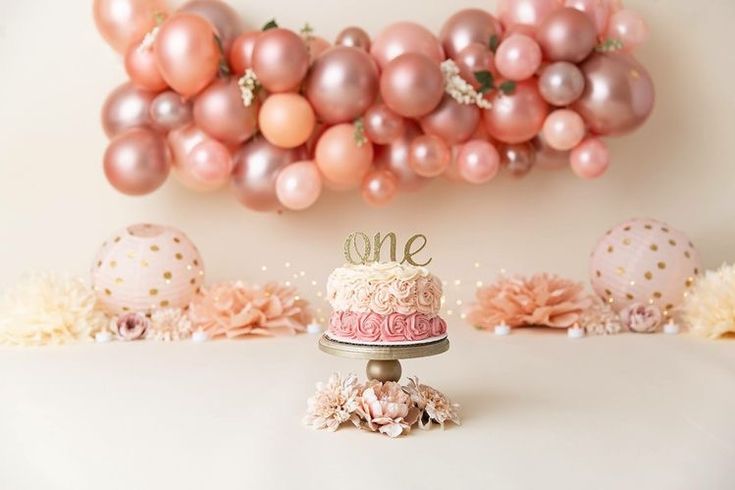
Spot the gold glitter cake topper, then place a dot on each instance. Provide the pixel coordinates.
(368, 251)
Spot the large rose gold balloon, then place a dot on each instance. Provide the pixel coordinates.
(169, 111)
(405, 37)
(226, 21)
(618, 95)
(220, 111)
(383, 126)
(342, 84)
(526, 12)
(466, 27)
(451, 121)
(241, 52)
(280, 60)
(412, 85)
(518, 159)
(136, 162)
(567, 35)
(379, 187)
(354, 37)
(257, 165)
(126, 107)
(186, 53)
(123, 23)
(396, 158)
(140, 64)
(475, 58)
(561, 83)
(517, 117)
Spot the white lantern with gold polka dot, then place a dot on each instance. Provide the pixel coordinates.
(644, 261)
(145, 267)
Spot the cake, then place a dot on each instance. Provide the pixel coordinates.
(385, 304)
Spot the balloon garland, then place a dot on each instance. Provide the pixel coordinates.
(281, 114)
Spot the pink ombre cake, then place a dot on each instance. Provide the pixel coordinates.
(385, 304)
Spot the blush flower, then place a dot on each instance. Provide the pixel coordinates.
(386, 408)
(641, 318)
(334, 403)
(433, 404)
(131, 326)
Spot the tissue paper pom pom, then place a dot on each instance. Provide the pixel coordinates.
(169, 324)
(709, 308)
(334, 402)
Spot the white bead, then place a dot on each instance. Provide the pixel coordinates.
(102, 337)
(313, 328)
(671, 328)
(575, 333)
(502, 329)
(199, 337)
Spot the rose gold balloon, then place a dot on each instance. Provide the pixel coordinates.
(224, 19)
(126, 107)
(136, 162)
(280, 60)
(597, 10)
(561, 83)
(206, 167)
(395, 158)
(517, 117)
(220, 111)
(123, 23)
(567, 35)
(405, 37)
(140, 64)
(548, 158)
(628, 27)
(341, 159)
(182, 140)
(379, 188)
(257, 165)
(186, 53)
(618, 95)
(412, 85)
(451, 121)
(241, 52)
(478, 161)
(475, 58)
(518, 159)
(528, 12)
(383, 126)
(429, 156)
(466, 27)
(299, 185)
(169, 110)
(342, 84)
(316, 46)
(590, 159)
(354, 37)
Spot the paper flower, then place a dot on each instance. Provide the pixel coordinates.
(641, 318)
(334, 403)
(709, 308)
(48, 309)
(543, 300)
(386, 408)
(434, 405)
(169, 324)
(130, 326)
(234, 309)
(600, 319)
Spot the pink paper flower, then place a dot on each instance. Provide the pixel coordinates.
(131, 326)
(386, 408)
(433, 404)
(641, 318)
(334, 402)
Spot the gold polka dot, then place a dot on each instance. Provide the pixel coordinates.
(199, 290)
(654, 247)
(164, 303)
(620, 271)
(113, 264)
(155, 248)
(689, 282)
(648, 275)
(119, 280)
(177, 240)
(131, 254)
(610, 249)
(662, 265)
(657, 295)
(179, 256)
(153, 292)
(99, 263)
(196, 262)
(192, 281)
(629, 296)
(696, 271)
(664, 229)
(117, 239)
(167, 275)
(598, 273)
(627, 228)
(669, 307)
(144, 264)
(648, 227)
(108, 292)
(626, 241)
(687, 254)
(691, 245)
(672, 243)
(125, 308)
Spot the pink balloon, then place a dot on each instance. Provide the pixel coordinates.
(563, 129)
(207, 166)
(383, 126)
(405, 37)
(518, 57)
(136, 162)
(517, 159)
(517, 117)
(597, 10)
(219, 110)
(280, 60)
(478, 161)
(123, 23)
(548, 158)
(529, 12)
(590, 159)
(316, 46)
(379, 187)
(181, 141)
(125, 108)
(186, 53)
(475, 58)
(169, 110)
(354, 37)
(341, 159)
(429, 156)
(395, 158)
(412, 85)
(467, 27)
(140, 64)
(629, 28)
(224, 19)
(567, 35)
(451, 121)
(241, 52)
(299, 185)
(561, 83)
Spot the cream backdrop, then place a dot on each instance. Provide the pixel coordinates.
(55, 72)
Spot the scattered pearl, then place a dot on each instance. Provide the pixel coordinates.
(503, 329)
(103, 337)
(199, 336)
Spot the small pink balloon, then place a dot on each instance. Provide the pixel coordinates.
(561, 83)
(207, 167)
(405, 37)
(518, 57)
(225, 20)
(280, 60)
(451, 121)
(383, 126)
(286, 120)
(379, 187)
(316, 46)
(475, 58)
(136, 162)
(219, 110)
(567, 35)
(629, 28)
(478, 161)
(125, 108)
(141, 67)
(181, 141)
(169, 110)
(517, 117)
(396, 156)
(597, 10)
(354, 37)
(342, 160)
(241, 52)
(528, 12)
(590, 158)
(123, 23)
(299, 185)
(517, 159)
(429, 156)
(466, 27)
(563, 129)
(412, 85)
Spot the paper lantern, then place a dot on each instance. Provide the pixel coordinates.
(644, 261)
(144, 267)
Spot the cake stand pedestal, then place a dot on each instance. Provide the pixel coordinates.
(383, 361)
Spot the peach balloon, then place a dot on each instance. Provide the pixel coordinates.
(207, 167)
(299, 185)
(590, 159)
(629, 28)
(186, 53)
(286, 120)
(517, 117)
(528, 12)
(123, 23)
(478, 161)
(429, 156)
(141, 67)
(136, 162)
(379, 187)
(451, 121)
(412, 85)
(518, 57)
(125, 108)
(241, 52)
(280, 60)
(342, 161)
(405, 37)
(219, 110)
(563, 129)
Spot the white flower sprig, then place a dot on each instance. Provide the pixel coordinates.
(460, 89)
(249, 86)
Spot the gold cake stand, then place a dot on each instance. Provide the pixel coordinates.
(383, 361)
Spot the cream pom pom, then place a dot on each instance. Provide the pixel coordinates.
(709, 308)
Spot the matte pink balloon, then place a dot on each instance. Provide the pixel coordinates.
(342, 84)
(342, 161)
(517, 117)
(478, 161)
(286, 120)
(169, 110)
(395, 157)
(466, 27)
(563, 129)
(597, 10)
(548, 158)
(451, 121)
(225, 19)
(405, 37)
(629, 28)
(561, 83)
(429, 156)
(123, 23)
(590, 159)
(383, 126)
(475, 58)
(241, 52)
(280, 60)
(354, 37)
(518, 57)
(412, 85)
(186, 53)
(567, 35)
(379, 187)
(299, 185)
(140, 64)
(125, 108)
(219, 110)
(529, 12)
(207, 167)
(136, 162)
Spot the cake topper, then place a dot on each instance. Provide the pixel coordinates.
(368, 251)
